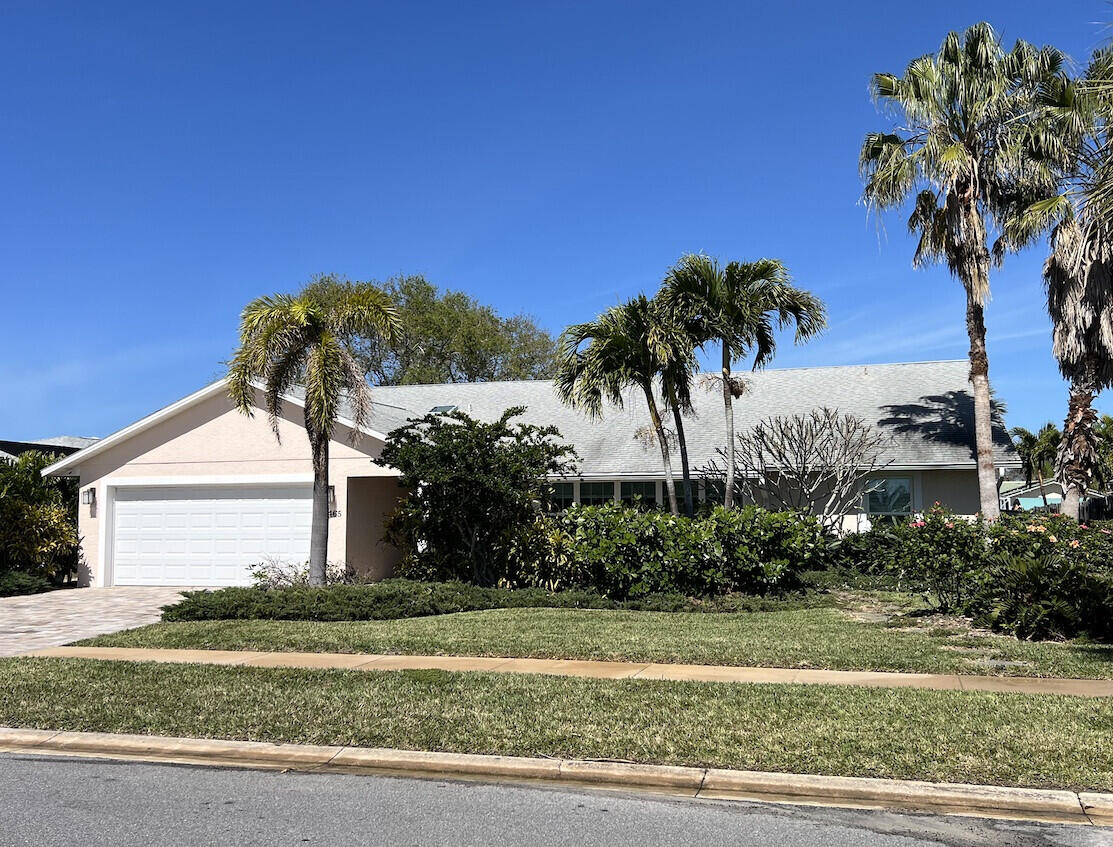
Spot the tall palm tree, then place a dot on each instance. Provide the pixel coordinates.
(1037, 451)
(677, 373)
(622, 348)
(1078, 273)
(738, 306)
(307, 338)
(967, 115)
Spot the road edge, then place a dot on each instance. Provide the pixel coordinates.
(1051, 806)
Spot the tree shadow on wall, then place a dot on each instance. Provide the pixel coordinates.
(945, 418)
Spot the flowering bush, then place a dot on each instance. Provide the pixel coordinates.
(1038, 577)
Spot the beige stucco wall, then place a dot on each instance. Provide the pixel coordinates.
(371, 501)
(957, 490)
(210, 441)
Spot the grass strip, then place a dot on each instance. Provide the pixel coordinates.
(794, 638)
(1023, 740)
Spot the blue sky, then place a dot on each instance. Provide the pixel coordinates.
(166, 163)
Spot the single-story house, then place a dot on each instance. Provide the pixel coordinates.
(63, 445)
(1022, 496)
(197, 492)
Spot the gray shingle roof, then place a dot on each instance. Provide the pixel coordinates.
(926, 407)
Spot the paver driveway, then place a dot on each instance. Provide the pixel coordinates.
(59, 617)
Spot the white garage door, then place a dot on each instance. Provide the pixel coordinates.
(207, 535)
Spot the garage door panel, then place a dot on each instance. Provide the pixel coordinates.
(207, 535)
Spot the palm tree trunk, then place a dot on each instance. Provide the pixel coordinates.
(655, 419)
(1078, 447)
(983, 410)
(1043, 494)
(318, 538)
(678, 420)
(728, 403)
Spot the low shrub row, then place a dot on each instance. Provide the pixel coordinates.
(16, 583)
(624, 553)
(402, 598)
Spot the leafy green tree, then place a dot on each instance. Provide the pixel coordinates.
(450, 337)
(474, 490)
(738, 306)
(1078, 273)
(306, 339)
(626, 346)
(966, 118)
(1037, 451)
(38, 518)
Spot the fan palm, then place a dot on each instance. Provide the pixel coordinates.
(306, 338)
(738, 306)
(969, 114)
(1078, 273)
(624, 347)
(1037, 452)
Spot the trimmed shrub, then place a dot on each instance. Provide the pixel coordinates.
(38, 518)
(628, 553)
(15, 583)
(401, 598)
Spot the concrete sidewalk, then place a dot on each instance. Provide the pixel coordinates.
(598, 670)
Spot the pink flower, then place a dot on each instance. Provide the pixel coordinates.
(1106, 531)
(1083, 526)
(950, 525)
(1074, 543)
(1052, 539)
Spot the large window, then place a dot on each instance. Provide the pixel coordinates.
(596, 493)
(642, 494)
(889, 496)
(562, 497)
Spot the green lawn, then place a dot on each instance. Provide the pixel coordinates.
(807, 638)
(936, 735)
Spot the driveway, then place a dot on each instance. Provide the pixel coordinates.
(59, 617)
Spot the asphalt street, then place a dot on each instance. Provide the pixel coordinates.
(51, 802)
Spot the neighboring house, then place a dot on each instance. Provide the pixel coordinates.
(62, 444)
(197, 492)
(1030, 497)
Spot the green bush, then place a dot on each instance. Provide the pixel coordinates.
(401, 598)
(38, 518)
(473, 489)
(15, 583)
(1038, 597)
(628, 553)
(1036, 577)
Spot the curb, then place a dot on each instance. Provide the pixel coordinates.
(710, 783)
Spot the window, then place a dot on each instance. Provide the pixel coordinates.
(596, 493)
(562, 496)
(442, 410)
(643, 494)
(713, 491)
(889, 496)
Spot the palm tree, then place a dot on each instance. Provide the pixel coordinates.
(677, 373)
(968, 114)
(1078, 273)
(306, 338)
(624, 347)
(739, 307)
(1037, 453)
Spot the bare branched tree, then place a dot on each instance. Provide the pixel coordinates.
(814, 463)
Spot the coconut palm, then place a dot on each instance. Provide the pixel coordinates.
(738, 306)
(622, 348)
(306, 339)
(1037, 451)
(1078, 273)
(968, 115)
